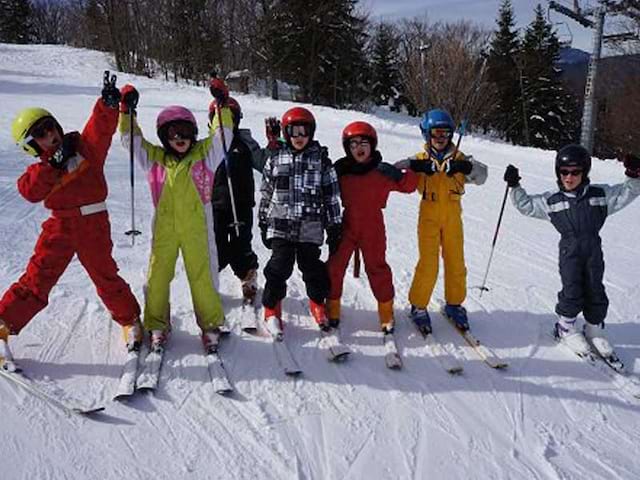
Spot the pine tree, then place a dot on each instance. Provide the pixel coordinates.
(384, 69)
(551, 111)
(15, 21)
(502, 71)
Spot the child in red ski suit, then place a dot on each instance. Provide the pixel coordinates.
(365, 184)
(69, 179)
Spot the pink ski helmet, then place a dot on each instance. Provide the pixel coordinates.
(171, 114)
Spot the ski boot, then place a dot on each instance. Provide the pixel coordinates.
(273, 321)
(158, 340)
(458, 314)
(6, 358)
(420, 318)
(211, 340)
(566, 332)
(250, 287)
(319, 314)
(333, 312)
(133, 335)
(597, 338)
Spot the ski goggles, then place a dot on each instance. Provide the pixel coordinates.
(441, 133)
(353, 144)
(294, 131)
(181, 131)
(574, 173)
(42, 127)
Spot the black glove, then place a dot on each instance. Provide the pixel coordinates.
(110, 94)
(272, 131)
(422, 166)
(334, 235)
(263, 236)
(632, 165)
(512, 176)
(390, 171)
(460, 166)
(67, 150)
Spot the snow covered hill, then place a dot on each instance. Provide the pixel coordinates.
(547, 416)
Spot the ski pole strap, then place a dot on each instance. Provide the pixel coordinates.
(356, 263)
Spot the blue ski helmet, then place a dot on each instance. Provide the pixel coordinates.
(436, 118)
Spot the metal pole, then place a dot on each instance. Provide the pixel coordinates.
(235, 224)
(133, 232)
(495, 239)
(423, 48)
(588, 120)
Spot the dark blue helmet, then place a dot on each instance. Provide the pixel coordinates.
(436, 118)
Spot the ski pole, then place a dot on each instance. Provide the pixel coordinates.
(236, 224)
(133, 232)
(495, 239)
(356, 263)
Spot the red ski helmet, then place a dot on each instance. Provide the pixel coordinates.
(233, 104)
(298, 116)
(359, 129)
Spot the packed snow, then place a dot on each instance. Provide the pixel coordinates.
(548, 416)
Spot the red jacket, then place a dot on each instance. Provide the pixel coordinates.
(85, 184)
(364, 192)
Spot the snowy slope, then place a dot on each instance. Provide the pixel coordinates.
(548, 416)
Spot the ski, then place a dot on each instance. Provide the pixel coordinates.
(150, 374)
(218, 374)
(485, 354)
(436, 350)
(127, 382)
(392, 358)
(70, 409)
(336, 350)
(621, 379)
(249, 318)
(285, 358)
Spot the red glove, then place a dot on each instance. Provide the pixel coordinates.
(272, 131)
(632, 165)
(218, 90)
(130, 97)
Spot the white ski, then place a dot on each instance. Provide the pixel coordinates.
(336, 350)
(392, 358)
(127, 384)
(30, 386)
(436, 350)
(148, 378)
(249, 318)
(218, 374)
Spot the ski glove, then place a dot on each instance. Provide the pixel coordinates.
(423, 166)
(632, 164)
(130, 97)
(67, 150)
(272, 131)
(334, 235)
(390, 171)
(263, 236)
(110, 94)
(218, 90)
(512, 176)
(460, 166)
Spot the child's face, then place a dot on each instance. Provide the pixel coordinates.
(360, 148)
(46, 135)
(180, 145)
(440, 138)
(298, 135)
(571, 178)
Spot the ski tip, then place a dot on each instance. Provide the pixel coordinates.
(455, 371)
(250, 329)
(340, 357)
(88, 411)
(293, 373)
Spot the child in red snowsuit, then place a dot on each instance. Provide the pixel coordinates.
(69, 178)
(365, 184)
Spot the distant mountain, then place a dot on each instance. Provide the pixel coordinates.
(573, 56)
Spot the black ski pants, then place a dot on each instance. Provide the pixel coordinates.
(280, 267)
(235, 250)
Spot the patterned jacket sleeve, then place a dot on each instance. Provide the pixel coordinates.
(330, 192)
(620, 195)
(531, 205)
(266, 189)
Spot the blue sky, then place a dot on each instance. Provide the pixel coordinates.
(480, 11)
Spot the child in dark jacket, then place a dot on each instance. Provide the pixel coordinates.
(365, 184)
(578, 211)
(300, 199)
(235, 250)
